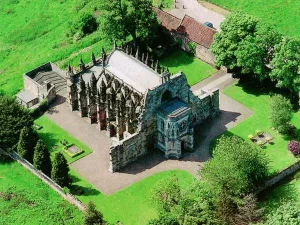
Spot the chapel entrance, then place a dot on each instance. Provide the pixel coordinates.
(182, 146)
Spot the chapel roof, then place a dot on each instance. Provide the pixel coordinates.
(132, 71)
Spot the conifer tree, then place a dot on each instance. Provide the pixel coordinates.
(41, 158)
(27, 142)
(92, 216)
(60, 170)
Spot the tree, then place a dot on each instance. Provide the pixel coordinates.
(60, 170)
(27, 141)
(280, 113)
(234, 29)
(288, 213)
(13, 118)
(132, 17)
(92, 216)
(286, 65)
(237, 168)
(41, 158)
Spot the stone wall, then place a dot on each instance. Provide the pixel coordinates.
(127, 150)
(31, 85)
(58, 71)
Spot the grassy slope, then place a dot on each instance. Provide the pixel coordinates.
(283, 14)
(53, 134)
(34, 202)
(131, 205)
(33, 32)
(194, 69)
(259, 103)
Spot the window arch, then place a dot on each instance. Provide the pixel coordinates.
(166, 96)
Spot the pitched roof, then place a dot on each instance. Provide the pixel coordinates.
(197, 32)
(188, 26)
(132, 71)
(169, 21)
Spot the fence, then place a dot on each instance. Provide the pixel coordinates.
(69, 197)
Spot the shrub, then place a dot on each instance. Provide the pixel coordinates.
(82, 25)
(250, 136)
(294, 147)
(280, 113)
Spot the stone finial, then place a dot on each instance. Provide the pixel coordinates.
(143, 57)
(153, 64)
(81, 64)
(115, 45)
(147, 59)
(137, 52)
(127, 49)
(157, 67)
(70, 69)
(82, 83)
(93, 58)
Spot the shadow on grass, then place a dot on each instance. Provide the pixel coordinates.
(83, 191)
(50, 140)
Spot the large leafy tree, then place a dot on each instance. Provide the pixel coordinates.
(237, 167)
(234, 29)
(245, 43)
(60, 170)
(280, 113)
(131, 17)
(286, 65)
(13, 118)
(27, 141)
(41, 158)
(92, 216)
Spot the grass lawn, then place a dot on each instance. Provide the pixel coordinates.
(259, 103)
(284, 15)
(131, 205)
(32, 202)
(194, 69)
(53, 134)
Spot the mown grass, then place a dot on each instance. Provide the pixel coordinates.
(283, 15)
(131, 205)
(52, 134)
(32, 202)
(194, 69)
(259, 103)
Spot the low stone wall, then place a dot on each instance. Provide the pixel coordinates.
(127, 150)
(69, 197)
(31, 85)
(281, 176)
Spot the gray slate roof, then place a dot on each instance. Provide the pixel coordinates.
(26, 96)
(174, 107)
(132, 71)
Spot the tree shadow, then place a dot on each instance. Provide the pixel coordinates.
(50, 140)
(83, 191)
(178, 58)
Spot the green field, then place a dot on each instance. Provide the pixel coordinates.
(259, 104)
(32, 202)
(131, 205)
(283, 14)
(53, 134)
(194, 69)
(34, 32)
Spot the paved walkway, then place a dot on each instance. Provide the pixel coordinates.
(94, 167)
(197, 11)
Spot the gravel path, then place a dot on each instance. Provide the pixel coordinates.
(94, 167)
(197, 11)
